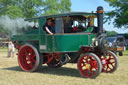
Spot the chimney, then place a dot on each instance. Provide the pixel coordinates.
(100, 19)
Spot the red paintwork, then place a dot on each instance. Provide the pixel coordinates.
(51, 56)
(74, 28)
(87, 49)
(18, 46)
(27, 58)
(91, 71)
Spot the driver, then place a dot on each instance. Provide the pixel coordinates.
(48, 27)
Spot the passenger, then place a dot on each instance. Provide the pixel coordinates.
(48, 27)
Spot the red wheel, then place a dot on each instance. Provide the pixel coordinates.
(111, 62)
(28, 58)
(89, 65)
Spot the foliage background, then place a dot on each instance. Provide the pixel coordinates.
(32, 8)
(14, 10)
(119, 13)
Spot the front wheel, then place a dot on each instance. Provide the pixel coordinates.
(29, 58)
(89, 65)
(111, 62)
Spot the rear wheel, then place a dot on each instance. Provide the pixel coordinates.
(111, 62)
(29, 58)
(89, 65)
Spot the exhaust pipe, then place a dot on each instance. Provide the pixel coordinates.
(100, 12)
(65, 59)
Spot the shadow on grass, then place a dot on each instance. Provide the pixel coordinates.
(62, 71)
(15, 68)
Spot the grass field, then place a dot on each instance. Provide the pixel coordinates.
(11, 74)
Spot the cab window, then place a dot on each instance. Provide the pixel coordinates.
(59, 25)
(78, 23)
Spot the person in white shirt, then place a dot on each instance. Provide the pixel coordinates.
(11, 49)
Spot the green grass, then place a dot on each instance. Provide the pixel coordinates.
(5, 49)
(11, 74)
(125, 52)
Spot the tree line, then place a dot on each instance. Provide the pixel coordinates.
(32, 8)
(119, 13)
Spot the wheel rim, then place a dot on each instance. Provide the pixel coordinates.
(27, 58)
(110, 63)
(88, 66)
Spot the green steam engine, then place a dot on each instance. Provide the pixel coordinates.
(79, 38)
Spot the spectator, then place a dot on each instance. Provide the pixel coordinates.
(11, 49)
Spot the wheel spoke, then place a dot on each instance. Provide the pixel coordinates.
(30, 51)
(108, 67)
(111, 64)
(25, 52)
(92, 71)
(86, 71)
(34, 56)
(110, 59)
(30, 65)
(87, 59)
(83, 63)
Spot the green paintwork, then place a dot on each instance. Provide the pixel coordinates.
(42, 34)
(71, 42)
(68, 42)
(90, 29)
(32, 31)
(28, 37)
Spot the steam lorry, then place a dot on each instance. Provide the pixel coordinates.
(79, 38)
